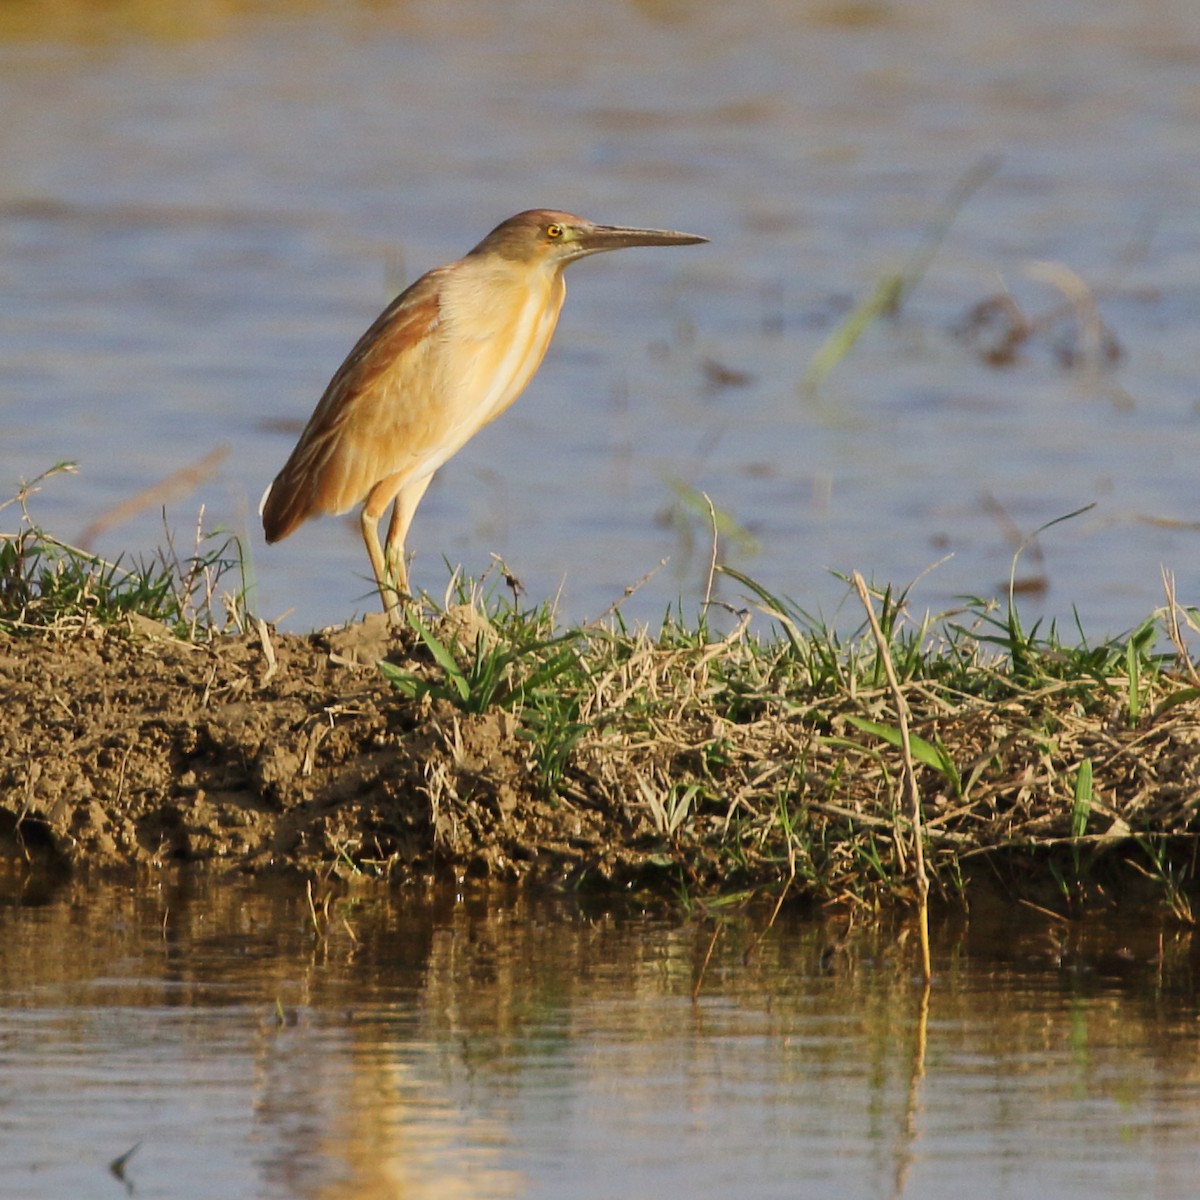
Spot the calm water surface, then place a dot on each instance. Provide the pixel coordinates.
(526, 1048)
(201, 208)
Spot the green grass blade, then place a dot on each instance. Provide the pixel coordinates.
(925, 752)
(1081, 808)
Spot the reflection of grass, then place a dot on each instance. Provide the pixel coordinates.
(46, 583)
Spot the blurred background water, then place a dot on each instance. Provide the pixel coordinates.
(202, 207)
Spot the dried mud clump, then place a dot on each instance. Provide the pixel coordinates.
(130, 747)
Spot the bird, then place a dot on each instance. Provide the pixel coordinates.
(444, 359)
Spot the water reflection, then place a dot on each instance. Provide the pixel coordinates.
(516, 1046)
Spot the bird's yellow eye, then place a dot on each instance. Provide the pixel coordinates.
(554, 232)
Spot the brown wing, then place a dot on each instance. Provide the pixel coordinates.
(345, 448)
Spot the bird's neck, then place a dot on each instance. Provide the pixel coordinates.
(488, 294)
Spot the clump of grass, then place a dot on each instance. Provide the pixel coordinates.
(48, 583)
(501, 670)
(487, 652)
(773, 758)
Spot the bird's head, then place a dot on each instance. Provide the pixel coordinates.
(543, 236)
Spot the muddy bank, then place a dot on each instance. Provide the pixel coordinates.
(589, 759)
(132, 748)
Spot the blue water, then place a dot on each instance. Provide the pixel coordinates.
(200, 214)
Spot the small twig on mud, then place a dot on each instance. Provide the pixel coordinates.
(264, 636)
(121, 776)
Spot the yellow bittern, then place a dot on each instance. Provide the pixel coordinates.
(444, 359)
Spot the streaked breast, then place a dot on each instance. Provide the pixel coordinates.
(498, 323)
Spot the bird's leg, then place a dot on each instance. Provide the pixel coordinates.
(407, 499)
(384, 579)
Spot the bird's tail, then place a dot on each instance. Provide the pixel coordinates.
(282, 507)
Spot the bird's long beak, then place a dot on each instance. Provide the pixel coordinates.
(613, 237)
